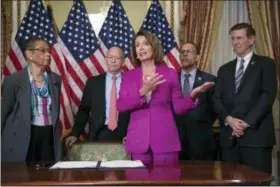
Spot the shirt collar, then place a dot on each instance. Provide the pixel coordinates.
(110, 75)
(247, 57)
(192, 73)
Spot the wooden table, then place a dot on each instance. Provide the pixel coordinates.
(186, 173)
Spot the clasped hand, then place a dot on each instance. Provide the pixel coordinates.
(238, 126)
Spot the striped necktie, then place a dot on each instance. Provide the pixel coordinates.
(239, 74)
(186, 86)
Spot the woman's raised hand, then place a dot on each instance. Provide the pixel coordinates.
(149, 84)
(200, 89)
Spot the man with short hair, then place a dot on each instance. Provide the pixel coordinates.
(195, 127)
(244, 95)
(99, 102)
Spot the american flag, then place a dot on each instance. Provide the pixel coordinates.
(117, 31)
(36, 23)
(156, 23)
(82, 53)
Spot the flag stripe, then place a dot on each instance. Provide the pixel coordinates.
(73, 73)
(91, 67)
(86, 70)
(129, 63)
(65, 122)
(124, 68)
(9, 67)
(5, 70)
(58, 66)
(173, 61)
(75, 101)
(15, 60)
(97, 64)
(100, 58)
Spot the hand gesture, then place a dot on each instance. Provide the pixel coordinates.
(151, 83)
(200, 89)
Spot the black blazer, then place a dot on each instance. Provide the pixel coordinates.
(197, 122)
(252, 102)
(92, 107)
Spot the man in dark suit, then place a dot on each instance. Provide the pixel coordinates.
(195, 127)
(244, 95)
(98, 102)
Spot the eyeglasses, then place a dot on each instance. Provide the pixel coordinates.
(187, 52)
(114, 58)
(43, 50)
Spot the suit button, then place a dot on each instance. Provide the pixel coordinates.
(11, 150)
(15, 133)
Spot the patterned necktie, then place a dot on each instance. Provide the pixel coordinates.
(113, 106)
(186, 86)
(239, 74)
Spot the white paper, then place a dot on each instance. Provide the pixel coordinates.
(121, 164)
(74, 164)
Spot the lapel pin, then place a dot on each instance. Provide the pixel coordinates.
(252, 63)
(199, 78)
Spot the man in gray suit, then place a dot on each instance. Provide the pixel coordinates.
(30, 109)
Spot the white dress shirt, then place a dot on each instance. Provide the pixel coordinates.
(191, 78)
(247, 59)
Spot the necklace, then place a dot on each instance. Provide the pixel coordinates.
(42, 80)
(38, 80)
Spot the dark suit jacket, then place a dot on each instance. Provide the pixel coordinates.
(252, 102)
(16, 115)
(93, 104)
(196, 124)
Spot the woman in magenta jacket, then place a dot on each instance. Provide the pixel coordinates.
(151, 92)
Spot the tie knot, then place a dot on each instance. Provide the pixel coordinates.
(242, 60)
(114, 77)
(187, 75)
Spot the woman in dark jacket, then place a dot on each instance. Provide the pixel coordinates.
(30, 109)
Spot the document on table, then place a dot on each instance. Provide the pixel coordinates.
(122, 164)
(74, 164)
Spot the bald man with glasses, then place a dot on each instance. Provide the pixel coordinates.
(99, 104)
